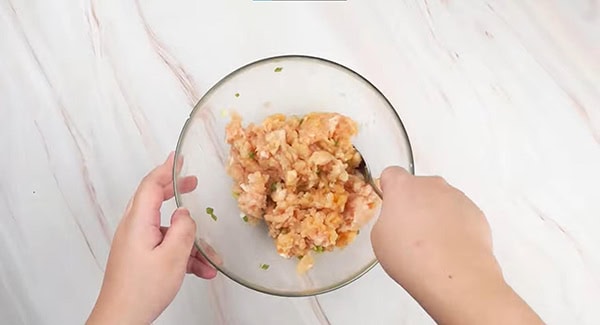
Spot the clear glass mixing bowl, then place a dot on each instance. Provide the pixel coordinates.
(291, 85)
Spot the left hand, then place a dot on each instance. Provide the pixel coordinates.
(147, 262)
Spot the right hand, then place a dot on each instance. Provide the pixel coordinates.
(436, 243)
(428, 227)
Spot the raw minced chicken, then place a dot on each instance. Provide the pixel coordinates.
(299, 175)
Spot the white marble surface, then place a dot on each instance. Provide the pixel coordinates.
(501, 97)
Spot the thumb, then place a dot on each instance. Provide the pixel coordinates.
(391, 177)
(393, 181)
(180, 237)
(394, 185)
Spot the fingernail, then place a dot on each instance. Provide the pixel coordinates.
(170, 156)
(182, 210)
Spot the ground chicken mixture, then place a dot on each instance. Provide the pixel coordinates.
(298, 175)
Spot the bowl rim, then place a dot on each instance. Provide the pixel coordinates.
(230, 275)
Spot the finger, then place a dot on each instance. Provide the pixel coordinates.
(128, 208)
(201, 268)
(391, 176)
(179, 162)
(392, 180)
(150, 193)
(209, 251)
(163, 230)
(179, 238)
(197, 263)
(185, 184)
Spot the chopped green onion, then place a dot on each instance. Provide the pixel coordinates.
(245, 218)
(211, 212)
(273, 187)
(237, 94)
(235, 195)
(278, 69)
(318, 249)
(252, 155)
(264, 266)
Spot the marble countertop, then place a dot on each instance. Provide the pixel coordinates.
(500, 97)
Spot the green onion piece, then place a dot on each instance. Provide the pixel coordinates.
(252, 155)
(273, 187)
(235, 195)
(245, 218)
(211, 212)
(237, 94)
(264, 266)
(318, 249)
(278, 69)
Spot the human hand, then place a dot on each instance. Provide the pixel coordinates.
(428, 226)
(147, 262)
(436, 243)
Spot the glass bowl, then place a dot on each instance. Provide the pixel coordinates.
(291, 85)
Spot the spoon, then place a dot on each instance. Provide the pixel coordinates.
(363, 168)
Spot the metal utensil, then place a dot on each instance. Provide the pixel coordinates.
(363, 168)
